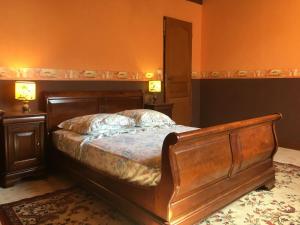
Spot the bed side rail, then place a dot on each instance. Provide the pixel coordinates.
(200, 159)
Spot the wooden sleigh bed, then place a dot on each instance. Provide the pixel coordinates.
(201, 172)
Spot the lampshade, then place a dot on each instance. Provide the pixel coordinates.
(25, 90)
(155, 86)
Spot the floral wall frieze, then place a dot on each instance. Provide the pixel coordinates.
(102, 75)
(248, 74)
(69, 75)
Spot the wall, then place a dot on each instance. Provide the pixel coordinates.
(118, 35)
(251, 35)
(231, 100)
(7, 101)
(196, 103)
(122, 35)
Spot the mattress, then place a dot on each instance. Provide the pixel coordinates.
(134, 156)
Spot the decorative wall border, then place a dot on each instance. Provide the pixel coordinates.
(101, 75)
(80, 75)
(248, 74)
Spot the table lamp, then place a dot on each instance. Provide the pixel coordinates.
(154, 87)
(25, 91)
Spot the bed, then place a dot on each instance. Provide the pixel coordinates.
(201, 170)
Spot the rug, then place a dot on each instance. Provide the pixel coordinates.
(77, 207)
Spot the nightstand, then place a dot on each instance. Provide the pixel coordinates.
(164, 108)
(22, 146)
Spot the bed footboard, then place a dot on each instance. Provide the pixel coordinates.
(204, 170)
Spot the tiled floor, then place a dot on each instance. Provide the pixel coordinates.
(32, 188)
(285, 155)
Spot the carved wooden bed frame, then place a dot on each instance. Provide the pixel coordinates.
(202, 170)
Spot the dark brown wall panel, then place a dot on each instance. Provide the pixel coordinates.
(230, 100)
(196, 103)
(7, 89)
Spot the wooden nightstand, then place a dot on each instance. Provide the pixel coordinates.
(164, 108)
(22, 146)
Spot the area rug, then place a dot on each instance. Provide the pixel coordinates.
(77, 207)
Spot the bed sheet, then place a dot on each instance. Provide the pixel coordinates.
(133, 155)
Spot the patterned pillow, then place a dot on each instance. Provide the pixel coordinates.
(97, 123)
(148, 117)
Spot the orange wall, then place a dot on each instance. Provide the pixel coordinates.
(250, 34)
(95, 34)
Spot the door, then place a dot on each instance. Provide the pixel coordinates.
(178, 68)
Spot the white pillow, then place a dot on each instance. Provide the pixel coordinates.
(148, 117)
(97, 123)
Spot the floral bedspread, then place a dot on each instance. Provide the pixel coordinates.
(134, 156)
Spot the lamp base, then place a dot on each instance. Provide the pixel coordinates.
(26, 107)
(154, 99)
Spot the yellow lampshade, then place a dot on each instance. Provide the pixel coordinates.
(25, 90)
(155, 86)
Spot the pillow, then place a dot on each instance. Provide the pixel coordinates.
(97, 123)
(148, 117)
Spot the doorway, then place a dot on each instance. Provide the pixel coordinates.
(178, 68)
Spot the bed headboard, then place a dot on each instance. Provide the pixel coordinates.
(61, 106)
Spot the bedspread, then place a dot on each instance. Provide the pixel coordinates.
(134, 156)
